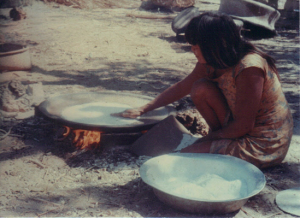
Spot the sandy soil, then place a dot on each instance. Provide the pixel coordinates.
(95, 49)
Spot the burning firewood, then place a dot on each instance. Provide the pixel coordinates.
(83, 139)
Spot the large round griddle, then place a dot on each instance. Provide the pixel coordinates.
(55, 108)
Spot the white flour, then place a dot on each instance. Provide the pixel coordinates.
(206, 187)
(97, 113)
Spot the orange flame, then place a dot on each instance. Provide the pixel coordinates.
(84, 139)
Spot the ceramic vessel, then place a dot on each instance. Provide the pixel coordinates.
(14, 57)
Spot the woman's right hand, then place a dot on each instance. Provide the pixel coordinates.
(130, 113)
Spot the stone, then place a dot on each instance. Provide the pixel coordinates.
(25, 115)
(36, 91)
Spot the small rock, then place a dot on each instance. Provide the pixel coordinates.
(36, 91)
(17, 14)
(132, 173)
(8, 114)
(25, 115)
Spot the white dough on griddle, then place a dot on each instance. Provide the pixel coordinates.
(97, 113)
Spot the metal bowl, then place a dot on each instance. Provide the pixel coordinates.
(157, 173)
(253, 12)
(54, 108)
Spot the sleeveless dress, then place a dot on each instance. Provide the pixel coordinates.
(267, 144)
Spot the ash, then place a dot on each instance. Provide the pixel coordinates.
(98, 182)
(112, 159)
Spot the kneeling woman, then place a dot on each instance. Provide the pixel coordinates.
(236, 88)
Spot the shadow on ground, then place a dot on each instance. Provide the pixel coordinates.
(118, 76)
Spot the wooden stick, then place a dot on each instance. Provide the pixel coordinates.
(89, 168)
(60, 177)
(41, 214)
(111, 204)
(274, 214)
(15, 135)
(149, 16)
(5, 133)
(36, 162)
(45, 201)
(45, 174)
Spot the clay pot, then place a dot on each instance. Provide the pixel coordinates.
(14, 57)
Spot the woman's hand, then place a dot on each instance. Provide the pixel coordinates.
(130, 113)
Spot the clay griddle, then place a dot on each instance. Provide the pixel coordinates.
(53, 108)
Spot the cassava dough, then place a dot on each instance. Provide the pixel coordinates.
(208, 186)
(97, 113)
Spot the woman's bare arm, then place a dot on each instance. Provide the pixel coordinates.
(176, 91)
(171, 94)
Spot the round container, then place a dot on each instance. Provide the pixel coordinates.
(243, 179)
(289, 201)
(14, 57)
(253, 12)
(60, 109)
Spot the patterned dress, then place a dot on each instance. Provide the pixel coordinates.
(267, 144)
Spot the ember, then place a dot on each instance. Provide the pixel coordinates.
(84, 139)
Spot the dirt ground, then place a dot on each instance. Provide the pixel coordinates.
(113, 48)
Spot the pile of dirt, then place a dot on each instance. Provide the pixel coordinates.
(17, 98)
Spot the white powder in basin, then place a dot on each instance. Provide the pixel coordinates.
(97, 113)
(206, 187)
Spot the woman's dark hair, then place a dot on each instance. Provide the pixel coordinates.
(220, 41)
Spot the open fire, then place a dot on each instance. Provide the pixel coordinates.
(83, 139)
